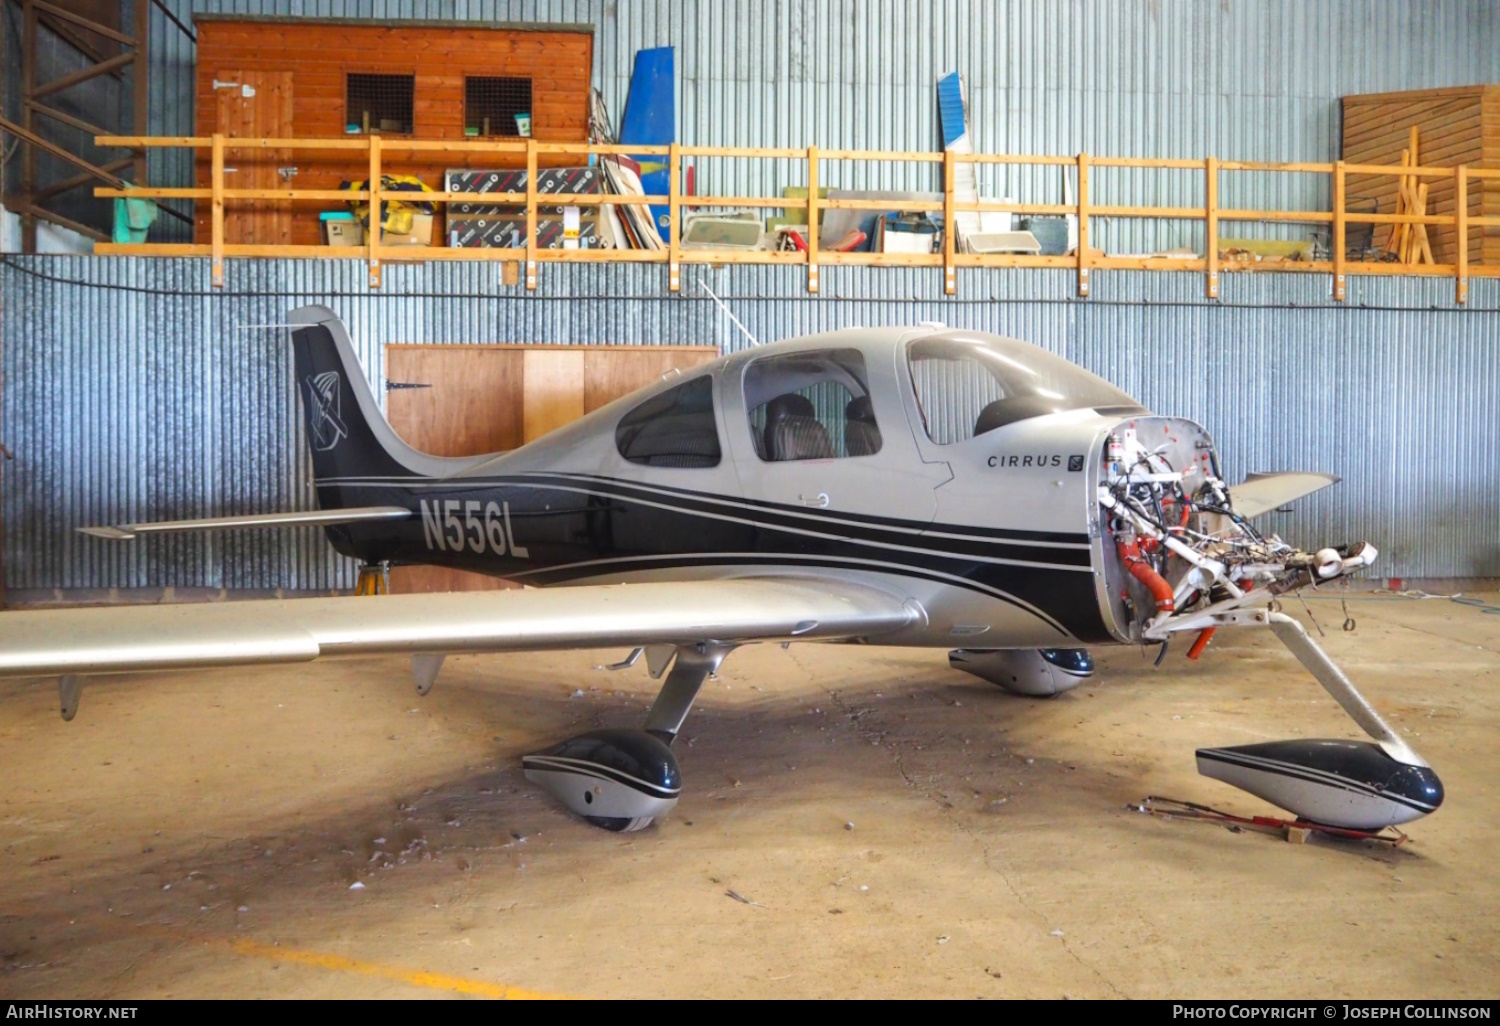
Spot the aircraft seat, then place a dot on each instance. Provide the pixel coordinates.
(793, 431)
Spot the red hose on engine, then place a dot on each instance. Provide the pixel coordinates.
(1208, 632)
(1130, 552)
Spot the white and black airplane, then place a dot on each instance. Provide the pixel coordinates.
(892, 486)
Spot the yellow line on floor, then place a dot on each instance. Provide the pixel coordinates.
(415, 977)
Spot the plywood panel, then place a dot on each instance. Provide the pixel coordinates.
(426, 580)
(473, 403)
(611, 373)
(553, 390)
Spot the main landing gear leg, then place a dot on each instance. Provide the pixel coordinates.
(622, 779)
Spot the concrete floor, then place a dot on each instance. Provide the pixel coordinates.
(896, 828)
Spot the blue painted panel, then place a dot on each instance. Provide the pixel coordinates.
(651, 120)
(950, 92)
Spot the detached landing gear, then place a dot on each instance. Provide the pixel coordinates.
(622, 779)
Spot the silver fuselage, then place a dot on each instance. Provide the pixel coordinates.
(995, 537)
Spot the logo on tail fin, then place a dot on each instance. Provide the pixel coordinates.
(323, 417)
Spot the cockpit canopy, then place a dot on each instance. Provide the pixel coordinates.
(967, 385)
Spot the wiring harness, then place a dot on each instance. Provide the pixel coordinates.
(1178, 535)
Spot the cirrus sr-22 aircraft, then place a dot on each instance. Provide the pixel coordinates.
(890, 486)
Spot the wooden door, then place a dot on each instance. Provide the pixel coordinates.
(466, 400)
(255, 105)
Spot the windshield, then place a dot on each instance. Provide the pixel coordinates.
(967, 385)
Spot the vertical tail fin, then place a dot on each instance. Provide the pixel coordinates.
(348, 435)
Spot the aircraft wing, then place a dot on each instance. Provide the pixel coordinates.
(163, 637)
(1261, 493)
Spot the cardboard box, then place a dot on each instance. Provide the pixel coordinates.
(420, 234)
(343, 232)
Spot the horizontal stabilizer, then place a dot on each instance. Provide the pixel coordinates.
(317, 517)
(1261, 493)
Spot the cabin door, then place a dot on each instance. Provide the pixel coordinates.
(256, 105)
(820, 437)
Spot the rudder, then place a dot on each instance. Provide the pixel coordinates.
(348, 435)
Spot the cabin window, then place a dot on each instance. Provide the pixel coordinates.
(675, 428)
(969, 386)
(379, 103)
(811, 406)
(497, 106)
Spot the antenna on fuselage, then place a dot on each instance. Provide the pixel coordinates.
(728, 312)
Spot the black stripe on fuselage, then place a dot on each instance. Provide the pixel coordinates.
(1050, 548)
(572, 525)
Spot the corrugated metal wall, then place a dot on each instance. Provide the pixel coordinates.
(132, 390)
(1238, 79)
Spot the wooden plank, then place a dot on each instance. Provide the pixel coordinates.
(674, 220)
(812, 219)
(1461, 232)
(217, 231)
(1414, 94)
(1083, 224)
(1211, 225)
(950, 226)
(375, 229)
(531, 224)
(553, 391)
(1340, 242)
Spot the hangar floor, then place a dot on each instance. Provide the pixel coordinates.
(893, 828)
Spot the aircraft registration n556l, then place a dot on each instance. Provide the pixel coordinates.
(918, 487)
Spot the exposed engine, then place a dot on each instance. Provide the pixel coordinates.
(1190, 560)
(1189, 556)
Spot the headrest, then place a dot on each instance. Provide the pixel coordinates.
(860, 409)
(789, 405)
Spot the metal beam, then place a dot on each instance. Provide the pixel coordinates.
(81, 179)
(140, 76)
(67, 222)
(57, 151)
(57, 85)
(66, 118)
(175, 20)
(28, 119)
(78, 19)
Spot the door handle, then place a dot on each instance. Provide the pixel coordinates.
(820, 500)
